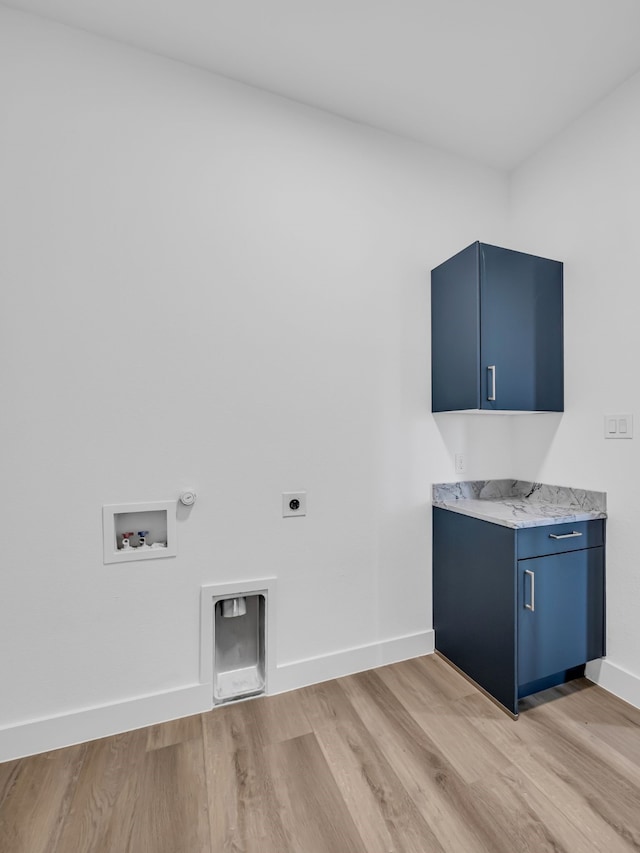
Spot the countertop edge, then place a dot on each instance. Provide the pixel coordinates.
(534, 521)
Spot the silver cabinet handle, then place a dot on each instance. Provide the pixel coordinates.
(571, 535)
(531, 606)
(492, 369)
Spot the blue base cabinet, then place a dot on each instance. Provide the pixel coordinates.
(517, 610)
(497, 332)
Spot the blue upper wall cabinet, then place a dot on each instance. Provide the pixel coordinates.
(497, 332)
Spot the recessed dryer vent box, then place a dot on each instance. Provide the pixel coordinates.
(157, 520)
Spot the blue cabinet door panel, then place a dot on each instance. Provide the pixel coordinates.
(565, 628)
(521, 315)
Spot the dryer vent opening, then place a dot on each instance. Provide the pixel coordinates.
(239, 647)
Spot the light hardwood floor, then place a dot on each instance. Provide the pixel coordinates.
(408, 757)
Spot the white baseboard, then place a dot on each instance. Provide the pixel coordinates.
(623, 684)
(91, 723)
(88, 724)
(300, 673)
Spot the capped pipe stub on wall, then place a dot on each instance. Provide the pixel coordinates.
(188, 497)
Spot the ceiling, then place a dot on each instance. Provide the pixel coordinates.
(491, 80)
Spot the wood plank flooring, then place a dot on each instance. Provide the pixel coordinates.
(408, 758)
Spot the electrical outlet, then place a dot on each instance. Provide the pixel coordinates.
(618, 426)
(294, 504)
(461, 463)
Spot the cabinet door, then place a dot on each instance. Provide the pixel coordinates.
(521, 345)
(560, 612)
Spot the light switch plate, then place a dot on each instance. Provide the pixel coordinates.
(618, 426)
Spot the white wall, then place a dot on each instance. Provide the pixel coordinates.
(577, 200)
(208, 286)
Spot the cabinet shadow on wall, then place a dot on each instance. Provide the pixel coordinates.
(496, 446)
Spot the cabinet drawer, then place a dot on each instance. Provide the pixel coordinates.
(540, 541)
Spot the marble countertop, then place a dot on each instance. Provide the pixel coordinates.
(520, 503)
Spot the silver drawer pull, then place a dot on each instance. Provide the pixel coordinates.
(531, 606)
(492, 371)
(571, 535)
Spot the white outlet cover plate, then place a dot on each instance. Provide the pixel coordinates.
(287, 497)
